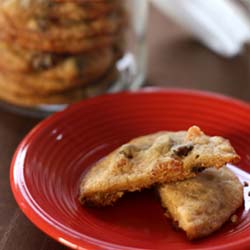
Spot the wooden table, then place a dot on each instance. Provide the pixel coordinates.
(175, 60)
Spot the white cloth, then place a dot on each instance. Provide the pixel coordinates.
(222, 25)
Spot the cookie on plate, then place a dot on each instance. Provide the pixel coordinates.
(151, 159)
(201, 205)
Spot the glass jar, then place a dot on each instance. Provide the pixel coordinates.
(57, 52)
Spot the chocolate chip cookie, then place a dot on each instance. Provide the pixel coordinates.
(153, 159)
(50, 74)
(12, 93)
(43, 33)
(201, 205)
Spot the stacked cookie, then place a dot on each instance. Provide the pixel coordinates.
(186, 168)
(58, 51)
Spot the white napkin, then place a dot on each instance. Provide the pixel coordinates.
(222, 25)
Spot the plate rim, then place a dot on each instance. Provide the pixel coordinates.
(89, 242)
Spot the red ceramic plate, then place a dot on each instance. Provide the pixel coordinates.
(50, 161)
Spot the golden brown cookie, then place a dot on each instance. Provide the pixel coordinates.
(25, 10)
(73, 11)
(11, 94)
(37, 29)
(157, 158)
(72, 71)
(51, 65)
(60, 46)
(201, 205)
(48, 35)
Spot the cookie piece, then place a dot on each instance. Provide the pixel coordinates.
(201, 205)
(156, 158)
(9, 93)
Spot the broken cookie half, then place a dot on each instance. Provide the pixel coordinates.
(152, 159)
(202, 204)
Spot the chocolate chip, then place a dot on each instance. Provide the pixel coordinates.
(183, 150)
(246, 184)
(41, 62)
(80, 62)
(129, 155)
(42, 23)
(249, 193)
(129, 151)
(197, 170)
(50, 4)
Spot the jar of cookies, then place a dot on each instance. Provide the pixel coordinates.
(57, 52)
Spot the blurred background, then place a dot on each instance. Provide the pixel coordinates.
(179, 58)
(55, 53)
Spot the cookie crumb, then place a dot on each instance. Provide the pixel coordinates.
(234, 218)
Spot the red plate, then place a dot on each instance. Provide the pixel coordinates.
(48, 165)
